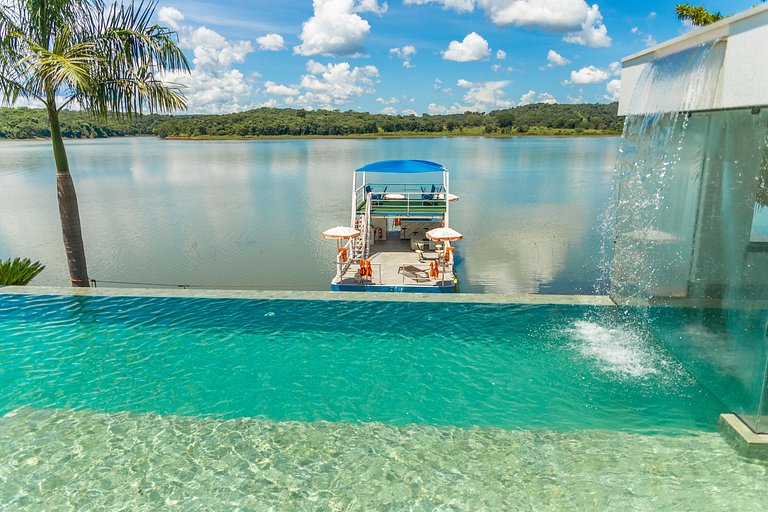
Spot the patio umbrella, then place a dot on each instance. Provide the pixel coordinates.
(341, 233)
(444, 235)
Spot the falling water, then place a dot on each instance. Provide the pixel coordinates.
(685, 190)
(651, 219)
(657, 177)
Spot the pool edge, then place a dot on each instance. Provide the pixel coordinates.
(743, 439)
(477, 298)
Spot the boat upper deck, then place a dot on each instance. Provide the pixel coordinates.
(404, 206)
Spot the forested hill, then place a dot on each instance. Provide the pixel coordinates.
(540, 118)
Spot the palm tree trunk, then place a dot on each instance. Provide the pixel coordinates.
(68, 210)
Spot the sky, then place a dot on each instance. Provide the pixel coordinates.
(412, 56)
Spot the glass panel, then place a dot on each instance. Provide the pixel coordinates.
(687, 243)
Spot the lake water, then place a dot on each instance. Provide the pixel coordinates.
(250, 213)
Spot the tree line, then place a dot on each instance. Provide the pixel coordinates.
(25, 123)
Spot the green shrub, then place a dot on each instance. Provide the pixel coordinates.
(18, 272)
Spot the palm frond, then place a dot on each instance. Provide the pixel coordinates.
(19, 272)
(106, 59)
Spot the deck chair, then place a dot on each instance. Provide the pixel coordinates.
(415, 273)
(379, 197)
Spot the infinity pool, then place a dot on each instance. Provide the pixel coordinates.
(146, 402)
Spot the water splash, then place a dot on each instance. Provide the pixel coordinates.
(617, 349)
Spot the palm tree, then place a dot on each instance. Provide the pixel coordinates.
(106, 60)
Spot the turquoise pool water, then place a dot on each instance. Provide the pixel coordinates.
(203, 404)
(503, 365)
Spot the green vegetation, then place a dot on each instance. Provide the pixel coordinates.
(18, 272)
(537, 119)
(101, 56)
(697, 15)
(28, 123)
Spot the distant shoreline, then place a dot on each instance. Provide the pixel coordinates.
(356, 136)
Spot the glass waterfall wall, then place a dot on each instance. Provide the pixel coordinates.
(691, 226)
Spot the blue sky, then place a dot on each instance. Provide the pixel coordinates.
(412, 56)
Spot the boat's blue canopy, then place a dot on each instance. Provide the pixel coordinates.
(402, 167)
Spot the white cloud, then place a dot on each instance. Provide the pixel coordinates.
(435, 109)
(170, 16)
(456, 5)
(554, 59)
(479, 97)
(405, 53)
(614, 68)
(438, 83)
(532, 97)
(485, 95)
(371, 6)
(576, 99)
(390, 111)
(613, 88)
(280, 90)
(213, 85)
(211, 51)
(649, 40)
(214, 94)
(409, 112)
(580, 23)
(334, 29)
(593, 32)
(335, 84)
(545, 97)
(588, 75)
(501, 55)
(271, 42)
(387, 101)
(471, 49)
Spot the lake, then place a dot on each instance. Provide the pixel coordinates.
(249, 213)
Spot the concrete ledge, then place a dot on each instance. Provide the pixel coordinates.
(742, 438)
(476, 298)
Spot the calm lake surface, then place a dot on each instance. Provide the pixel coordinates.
(250, 213)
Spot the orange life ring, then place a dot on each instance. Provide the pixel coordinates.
(397, 221)
(368, 269)
(343, 252)
(448, 253)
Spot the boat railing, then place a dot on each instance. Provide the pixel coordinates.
(415, 193)
(406, 202)
(342, 262)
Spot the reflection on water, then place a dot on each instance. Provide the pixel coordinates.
(249, 213)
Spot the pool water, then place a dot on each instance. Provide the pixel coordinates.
(146, 402)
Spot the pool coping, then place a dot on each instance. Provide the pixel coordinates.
(740, 436)
(472, 298)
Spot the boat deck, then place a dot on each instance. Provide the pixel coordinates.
(396, 267)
